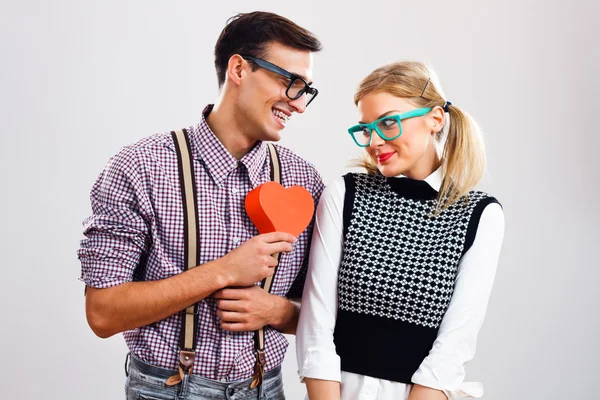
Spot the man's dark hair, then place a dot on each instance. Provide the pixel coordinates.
(249, 34)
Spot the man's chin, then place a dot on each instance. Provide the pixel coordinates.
(274, 138)
(272, 135)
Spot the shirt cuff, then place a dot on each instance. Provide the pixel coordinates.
(102, 283)
(456, 390)
(321, 364)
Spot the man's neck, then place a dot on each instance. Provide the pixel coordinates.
(225, 124)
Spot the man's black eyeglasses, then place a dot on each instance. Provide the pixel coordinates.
(297, 86)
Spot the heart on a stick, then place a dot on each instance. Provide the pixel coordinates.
(273, 208)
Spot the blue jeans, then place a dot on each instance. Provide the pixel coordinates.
(147, 382)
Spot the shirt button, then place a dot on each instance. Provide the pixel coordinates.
(235, 165)
(224, 380)
(228, 337)
(236, 240)
(234, 190)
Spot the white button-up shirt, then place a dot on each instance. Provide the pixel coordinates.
(443, 369)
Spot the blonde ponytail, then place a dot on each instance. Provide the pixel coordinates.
(463, 158)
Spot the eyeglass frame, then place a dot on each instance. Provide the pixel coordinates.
(292, 77)
(373, 125)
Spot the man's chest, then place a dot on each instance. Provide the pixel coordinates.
(222, 220)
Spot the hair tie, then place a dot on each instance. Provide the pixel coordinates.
(446, 105)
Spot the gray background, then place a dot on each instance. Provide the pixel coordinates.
(80, 79)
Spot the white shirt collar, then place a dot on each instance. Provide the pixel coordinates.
(434, 179)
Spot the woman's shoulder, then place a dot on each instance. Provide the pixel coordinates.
(337, 187)
(481, 199)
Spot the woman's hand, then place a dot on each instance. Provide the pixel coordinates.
(419, 392)
(319, 389)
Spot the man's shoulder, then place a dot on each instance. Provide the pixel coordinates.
(149, 143)
(289, 158)
(298, 171)
(143, 148)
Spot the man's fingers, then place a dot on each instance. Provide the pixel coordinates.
(279, 237)
(224, 294)
(279, 247)
(230, 316)
(231, 293)
(231, 305)
(235, 327)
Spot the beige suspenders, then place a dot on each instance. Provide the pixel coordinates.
(259, 335)
(189, 320)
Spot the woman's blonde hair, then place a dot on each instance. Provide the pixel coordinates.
(463, 156)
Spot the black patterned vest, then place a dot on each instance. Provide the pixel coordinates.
(397, 273)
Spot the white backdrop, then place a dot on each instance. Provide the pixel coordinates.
(80, 79)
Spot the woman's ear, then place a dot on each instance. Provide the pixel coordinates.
(437, 119)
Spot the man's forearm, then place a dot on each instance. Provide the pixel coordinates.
(285, 315)
(135, 304)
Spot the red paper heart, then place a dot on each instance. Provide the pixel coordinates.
(273, 208)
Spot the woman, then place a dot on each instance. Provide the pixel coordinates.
(403, 257)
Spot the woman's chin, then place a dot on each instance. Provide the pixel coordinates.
(389, 171)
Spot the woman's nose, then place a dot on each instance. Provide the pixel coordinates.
(375, 139)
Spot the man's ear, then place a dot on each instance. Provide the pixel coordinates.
(236, 68)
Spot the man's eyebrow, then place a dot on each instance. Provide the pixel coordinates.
(382, 115)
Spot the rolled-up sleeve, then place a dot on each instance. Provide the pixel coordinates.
(116, 234)
(454, 347)
(315, 348)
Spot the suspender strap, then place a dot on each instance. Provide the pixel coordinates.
(259, 335)
(189, 320)
(189, 316)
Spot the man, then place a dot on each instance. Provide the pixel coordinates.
(133, 255)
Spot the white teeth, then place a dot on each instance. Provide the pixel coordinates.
(281, 115)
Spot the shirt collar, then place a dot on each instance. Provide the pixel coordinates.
(434, 179)
(254, 161)
(219, 162)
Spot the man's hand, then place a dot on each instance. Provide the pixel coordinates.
(250, 308)
(253, 260)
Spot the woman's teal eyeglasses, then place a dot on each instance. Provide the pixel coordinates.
(388, 127)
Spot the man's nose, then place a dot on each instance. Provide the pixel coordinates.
(299, 105)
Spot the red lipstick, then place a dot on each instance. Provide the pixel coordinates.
(384, 156)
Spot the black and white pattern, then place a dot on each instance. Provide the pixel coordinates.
(400, 261)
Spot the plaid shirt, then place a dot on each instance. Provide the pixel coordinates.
(136, 233)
